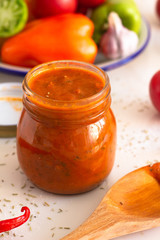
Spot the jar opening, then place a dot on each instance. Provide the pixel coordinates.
(67, 104)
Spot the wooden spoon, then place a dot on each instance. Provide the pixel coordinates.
(131, 205)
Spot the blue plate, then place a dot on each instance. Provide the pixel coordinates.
(101, 60)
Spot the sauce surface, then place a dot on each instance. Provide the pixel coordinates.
(66, 84)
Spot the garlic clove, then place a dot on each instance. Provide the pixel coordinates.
(117, 41)
(128, 42)
(108, 45)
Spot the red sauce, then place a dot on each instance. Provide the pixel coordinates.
(66, 84)
(66, 147)
(155, 171)
(14, 101)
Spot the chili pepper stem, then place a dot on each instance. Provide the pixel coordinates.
(8, 224)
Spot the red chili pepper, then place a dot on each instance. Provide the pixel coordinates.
(9, 224)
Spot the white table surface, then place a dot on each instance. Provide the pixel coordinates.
(138, 143)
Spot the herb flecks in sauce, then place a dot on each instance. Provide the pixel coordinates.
(66, 84)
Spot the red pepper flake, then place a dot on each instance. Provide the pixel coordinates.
(9, 224)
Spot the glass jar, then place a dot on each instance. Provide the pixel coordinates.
(66, 147)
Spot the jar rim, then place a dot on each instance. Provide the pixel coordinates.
(65, 64)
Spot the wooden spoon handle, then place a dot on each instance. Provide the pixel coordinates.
(131, 205)
(107, 224)
(93, 228)
(101, 223)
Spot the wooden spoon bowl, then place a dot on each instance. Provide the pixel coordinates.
(131, 205)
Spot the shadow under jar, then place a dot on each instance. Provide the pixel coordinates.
(66, 136)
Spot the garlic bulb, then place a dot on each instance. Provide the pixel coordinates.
(118, 41)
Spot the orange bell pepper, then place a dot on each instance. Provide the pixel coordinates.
(66, 36)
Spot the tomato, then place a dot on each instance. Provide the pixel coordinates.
(13, 17)
(45, 8)
(154, 90)
(30, 9)
(158, 8)
(2, 40)
(90, 3)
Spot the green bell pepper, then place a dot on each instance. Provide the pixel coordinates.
(127, 11)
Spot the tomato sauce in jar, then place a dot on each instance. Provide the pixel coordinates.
(66, 136)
